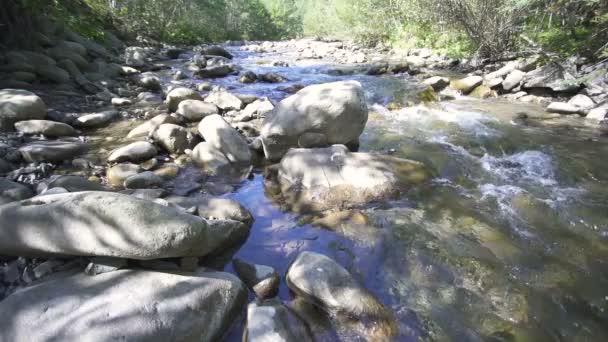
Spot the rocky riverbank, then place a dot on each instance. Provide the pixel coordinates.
(114, 162)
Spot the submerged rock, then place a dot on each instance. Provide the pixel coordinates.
(262, 280)
(337, 110)
(213, 208)
(17, 105)
(467, 84)
(107, 224)
(332, 177)
(118, 173)
(129, 305)
(271, 321)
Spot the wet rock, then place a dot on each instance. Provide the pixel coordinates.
(149, 126)
(174, 139)
(377, 69)
(248, 77)
(321, 280)
(18, 105)
(563, 108)
(48, 128)
(175, 53)
(262, 280)
(205, 86)
(216, 51)
(552, 76)
(121, 101)
(136, 152)
(270, 320)
(96, 120)
(136, 56)
(272, 77)
(215, 71)
(224, 100)
(130, 305)
(217, 132)
(211, 159)
(146, 99)
(337, 110)
(12, 191)
(513, 80)
(215, 208)
(51, 151)
(149, 81)
(482, 92)
(118, 173)
(143, 180)
(75, 184)
(107, 224)
(100, 265)
(332, 177)
(168, 171)
(467, 84)
(437, 82)
(178, 95)
(195, 110)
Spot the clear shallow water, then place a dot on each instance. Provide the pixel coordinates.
(508, 243)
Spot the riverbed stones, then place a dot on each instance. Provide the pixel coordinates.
(564, 108)
(149, 81)
(74, 184)
(336, 109)
(173, 138)
(47, 128)
(178, 95)
(211, 159)
(195, 110)
(51, 151)
(106, 224)
(129, 305)
(118, 173)
(467, 84)
(136, 152)
(136, 56)
(327, 178)
(12, 191)
(215, 208)
(437, 82)
(513, 80)
(261, 279)
(149, 126)
(326, 283)
(215, 51)
(217, 132)
(583, 102)
(271, 321)
(96, 120)
(552, 76)
(18, 105)
(215, 71)
(224, 100)
(143, 180)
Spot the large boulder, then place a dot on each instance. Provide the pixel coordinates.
(12, 191)
(271, 321)
(211, 159)
(18, 105)
(553, 76)
(51, 151)
(195, 110)
(48, 128)
(263, 280)
(326, 283)
(215, 208)
(217, 132)
(337, 110)
(467, 84)
(513, 79)
(178, 95)
(215, 71)
(136, 152)
(174, 139)
(108, 224)
(215, 51)
(327, 178)
(127, 305)
(225, 100)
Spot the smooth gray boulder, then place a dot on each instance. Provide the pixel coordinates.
(215, 208)
(513, 79)
(108, 224)
(118, 173)
(96, 120)
(144, 180)
(12, 191)
(261, 279)
(225, 100)
(215, 71)
(584, 102)
(196, 110)
(217, 132)
(467, 84)
(136, 152)
(174, 139)
(553, 76)
(51, 151)
(437, 82)
(326, 283)
(48, 128)
(210, 159)
(329, 178)
(178, 95)
(125, 305)
(271, 321)
(18, 105)
(215, 50)
(149, 126)
(564, 108)
(337, 110)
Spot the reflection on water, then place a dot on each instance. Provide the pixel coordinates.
(509, 243)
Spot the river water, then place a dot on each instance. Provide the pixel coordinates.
(509, 242)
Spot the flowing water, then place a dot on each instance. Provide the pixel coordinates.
(509, 242)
